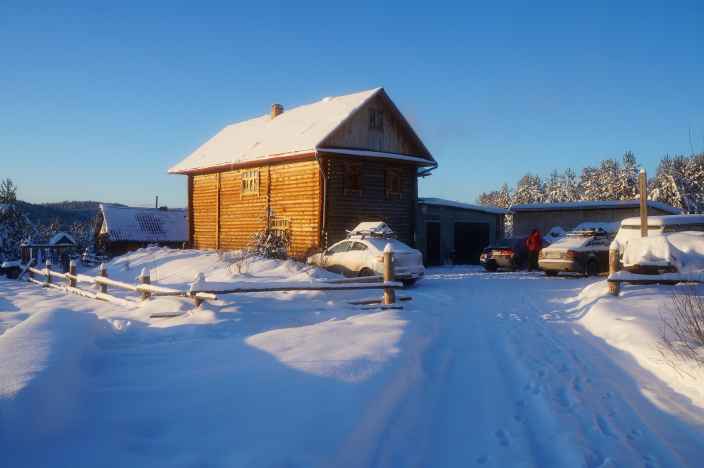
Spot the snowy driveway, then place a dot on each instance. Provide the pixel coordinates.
(478, 370)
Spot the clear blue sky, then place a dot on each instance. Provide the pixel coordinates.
(96, 102)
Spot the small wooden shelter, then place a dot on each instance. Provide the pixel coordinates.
(120, 229)
(314, 171)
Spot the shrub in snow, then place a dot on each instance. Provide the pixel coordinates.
(683, 330)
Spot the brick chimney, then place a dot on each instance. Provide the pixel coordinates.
(276, 109)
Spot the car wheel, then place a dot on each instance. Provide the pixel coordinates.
(366, 272)
(550, 273)
(592, 268)
(491, 266)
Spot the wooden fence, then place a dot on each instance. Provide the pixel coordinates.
(69, 282)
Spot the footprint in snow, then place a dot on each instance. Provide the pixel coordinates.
(503, 437)
(482, 460)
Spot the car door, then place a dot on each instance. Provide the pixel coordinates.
(335, 256)
(358, 257)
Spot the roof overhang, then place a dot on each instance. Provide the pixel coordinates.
(293, 156)
(378, 154)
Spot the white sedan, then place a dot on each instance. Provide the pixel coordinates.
(364, 256)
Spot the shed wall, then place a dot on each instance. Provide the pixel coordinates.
(525, 221)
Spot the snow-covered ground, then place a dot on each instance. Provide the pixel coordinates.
(503, 369)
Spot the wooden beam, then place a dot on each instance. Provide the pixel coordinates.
(217, 212)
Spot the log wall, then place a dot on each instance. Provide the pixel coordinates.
(225, 218)
(346, 209)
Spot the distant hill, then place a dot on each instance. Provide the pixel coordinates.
(66, 212)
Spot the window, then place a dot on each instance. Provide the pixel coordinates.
(376, 120)
(393, 182)
(358, 246)
(279, 225)
(250, 182)
(339, 248)
(353, 177)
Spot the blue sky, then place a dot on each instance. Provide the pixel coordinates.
(96, 102)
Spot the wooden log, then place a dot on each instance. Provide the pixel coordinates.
(104, 281)
(642, 183)
(72, 280)
(103, 272)
(48, 272)
(389, 293)
(377, 300)
(144, 278)
(305, 287)
(614, 286)
(36, 281)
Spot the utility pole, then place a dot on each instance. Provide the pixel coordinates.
(643, 186)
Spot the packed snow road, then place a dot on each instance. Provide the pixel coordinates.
(509, 379)
(478, 370)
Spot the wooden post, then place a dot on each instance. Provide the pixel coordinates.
(144, 278)
(197, 283)
(48, 271)
(103, 271)
(643, 187)
(389, 293)
(614, 286)
(72, 272)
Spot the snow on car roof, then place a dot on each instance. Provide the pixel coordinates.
(593, 205)
(595, 226)
(666, 220)
(372, 228)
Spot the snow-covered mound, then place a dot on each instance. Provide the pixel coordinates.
(178, 268)
(683, 250)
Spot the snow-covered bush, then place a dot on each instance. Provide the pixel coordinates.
(15, 228)
(683, 326)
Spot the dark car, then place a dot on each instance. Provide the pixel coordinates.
(508, 254)
(585, 250)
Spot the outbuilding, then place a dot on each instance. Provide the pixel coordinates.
(545, 216)
(450, 232)
(120, 229)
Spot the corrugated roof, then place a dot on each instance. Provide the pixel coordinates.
(299, 130)
(593, 205)
(464, 206)
(144, 224)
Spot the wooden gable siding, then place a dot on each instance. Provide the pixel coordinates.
(289, 191)
(394, 137)
(346, 209)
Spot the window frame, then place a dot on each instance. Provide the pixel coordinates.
(349, 169)
(392, 174)
(376, 120)
(249, 182)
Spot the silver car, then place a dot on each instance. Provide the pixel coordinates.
(364, 256)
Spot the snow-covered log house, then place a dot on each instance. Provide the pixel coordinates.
(315, 171)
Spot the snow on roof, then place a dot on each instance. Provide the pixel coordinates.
(593, 205)
(122, 223)
(666, 220)
(299, 130)
(464, 206)
(62, 237)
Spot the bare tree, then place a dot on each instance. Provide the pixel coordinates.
(8, 191)
(683, 326)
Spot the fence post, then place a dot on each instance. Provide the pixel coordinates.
(144, 278)
(72, 272)
(614, 286)
(389, 293)
(103, 271)
(48, 271)
(197, 283)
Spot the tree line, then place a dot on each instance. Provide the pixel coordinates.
(678, 181)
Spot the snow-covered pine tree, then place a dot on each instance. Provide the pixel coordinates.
(529, 189)
(670, 184)
(627, 182)
(15, 228)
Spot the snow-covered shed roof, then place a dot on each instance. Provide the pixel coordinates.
(62, 238)
(666, 220)
(464, 206)
(123, 223)
(297, 131)
(593, 205)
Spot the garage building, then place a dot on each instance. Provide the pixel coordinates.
(545, 216)
(449, 232)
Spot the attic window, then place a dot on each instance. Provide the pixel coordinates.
(250, 182)
(353, 178)
(376, 120)
(392, 182)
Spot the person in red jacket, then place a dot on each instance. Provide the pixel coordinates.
(533, 244)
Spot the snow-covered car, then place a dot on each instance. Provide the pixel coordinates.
(362, 254)
(675, 244)
(554, 234)
(584, 250)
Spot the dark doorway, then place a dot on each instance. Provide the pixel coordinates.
(432, 244)
(470, 240)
